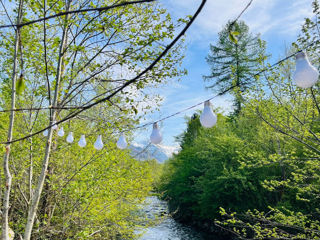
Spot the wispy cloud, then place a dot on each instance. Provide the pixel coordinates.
(284, 17)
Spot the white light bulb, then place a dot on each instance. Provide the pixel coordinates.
(45, 133)
(61, 132)
(82, 142)
(156, 136)
(98, 144)
(54, 125)
(305, 75)
(122, 143)
(70, 137)
(208, 119)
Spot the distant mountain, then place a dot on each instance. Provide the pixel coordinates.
(159, 152)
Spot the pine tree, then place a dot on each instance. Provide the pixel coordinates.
(234, 60)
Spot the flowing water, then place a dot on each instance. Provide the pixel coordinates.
(167, 228)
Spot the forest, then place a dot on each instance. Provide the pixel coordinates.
(255, 174)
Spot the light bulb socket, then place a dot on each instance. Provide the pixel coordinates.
(301, 55)
(155, 126)
(207, 103)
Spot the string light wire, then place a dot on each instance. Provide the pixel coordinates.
(73, 114)
(225, 91)
(5, 10)
(133, 80)
(83, 108)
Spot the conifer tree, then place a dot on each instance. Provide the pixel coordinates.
(234, 60)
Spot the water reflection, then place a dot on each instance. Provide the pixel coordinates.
(167, 228)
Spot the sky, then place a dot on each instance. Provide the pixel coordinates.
(278, 22)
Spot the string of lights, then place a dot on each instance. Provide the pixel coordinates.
(207, 118)
(222, 93)
(305, 76)
(174, 114)
(157, 137)
(229, 89)
(87, 106)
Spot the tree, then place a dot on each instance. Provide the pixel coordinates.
(234, 60)
(69, 54)
(210, 172)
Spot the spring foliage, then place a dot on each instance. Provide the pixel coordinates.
(255, 175)
(80, 58)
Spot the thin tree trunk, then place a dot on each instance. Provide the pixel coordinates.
(238, 89)
(8, 177)
(30, 170)
(37, 193)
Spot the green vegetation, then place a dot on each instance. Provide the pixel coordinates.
(52, 189)
(88, 194)
(256, 174)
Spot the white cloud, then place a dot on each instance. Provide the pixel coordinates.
(281, 17)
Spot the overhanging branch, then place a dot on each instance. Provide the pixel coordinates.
(135, 79)
(123, 4)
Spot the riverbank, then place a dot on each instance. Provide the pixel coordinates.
(207, 229)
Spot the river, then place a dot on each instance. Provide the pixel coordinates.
(167, 228)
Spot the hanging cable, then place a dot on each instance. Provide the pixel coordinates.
(83, 108)
(224, 92)
(5, 10)
(136, 79)
(123, 4)
(133, 80)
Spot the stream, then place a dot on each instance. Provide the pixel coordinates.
(167, 228)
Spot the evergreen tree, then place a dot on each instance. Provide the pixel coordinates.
(234, 60)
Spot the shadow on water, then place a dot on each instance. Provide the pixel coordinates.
(167, 228)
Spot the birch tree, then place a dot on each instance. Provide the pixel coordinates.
(77, 56)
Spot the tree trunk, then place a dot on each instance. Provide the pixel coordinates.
(37, 193)
(238, 84)
(8, 177)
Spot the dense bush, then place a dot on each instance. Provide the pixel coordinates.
(256, 174)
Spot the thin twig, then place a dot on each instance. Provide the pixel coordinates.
(99, 9)
(5, 9)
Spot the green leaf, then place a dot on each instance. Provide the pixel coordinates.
(20, 85)
(232, 37)
(135, 109)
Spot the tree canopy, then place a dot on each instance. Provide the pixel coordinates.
(234, 59)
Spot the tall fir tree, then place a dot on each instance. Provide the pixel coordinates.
(234, 60)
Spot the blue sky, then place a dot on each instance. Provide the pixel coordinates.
(278, 22)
